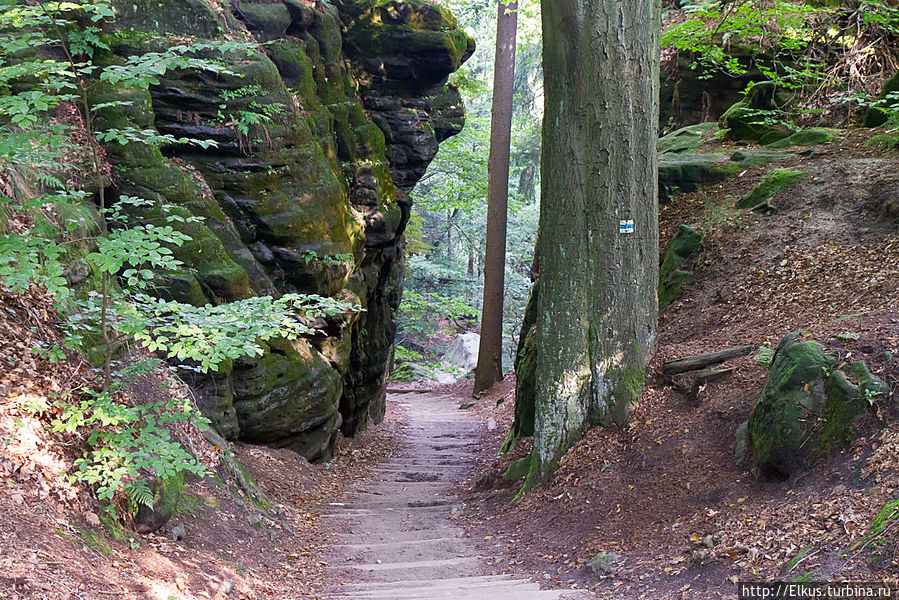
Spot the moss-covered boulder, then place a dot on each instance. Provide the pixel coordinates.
(672, 277)
(807, 137)
(686, 139)
(758, 116)
(289, 398)
(878, 113)
(408, 372)
(808, 407)
(686, 172)
(771, 184)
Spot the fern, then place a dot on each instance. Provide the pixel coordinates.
(138, 493)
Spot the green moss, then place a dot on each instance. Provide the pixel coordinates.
(878, 113)
(169, 17)
(536, 475)
(188, 505)
(114, 527)
(686, 139)
(94, 539)
(757, 117)
(847, 401)
(773, 183)
(671, 278)
(519, 469)
(807, 137)
(625, 394)
(296, 69)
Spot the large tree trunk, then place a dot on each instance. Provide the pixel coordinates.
(597, 307)
(490, 351)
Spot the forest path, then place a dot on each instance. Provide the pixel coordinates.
(397, 539)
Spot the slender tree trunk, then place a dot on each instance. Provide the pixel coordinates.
(490, 351)
(597, 306)
(449, 236)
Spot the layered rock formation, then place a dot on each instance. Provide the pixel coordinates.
(320, 132)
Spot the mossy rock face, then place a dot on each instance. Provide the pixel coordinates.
(266, 20)
(288, 398)
(672, 278)
(683, 173)
(169, 17)
(408, 40)
(691, 93)
(774, 182)
(686, 139)
(807, 408)
(758, 117)
(878, 114)
(308, 163)
(807, 137)
(166, 493)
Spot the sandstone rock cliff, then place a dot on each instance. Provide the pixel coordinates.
(321, 131)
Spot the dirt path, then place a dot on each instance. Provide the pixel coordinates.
(397, 539)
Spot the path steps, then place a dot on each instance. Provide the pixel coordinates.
(403, 543)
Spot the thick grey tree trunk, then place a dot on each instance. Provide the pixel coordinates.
(490, 350)
(597, 306)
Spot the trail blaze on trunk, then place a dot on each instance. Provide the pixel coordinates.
(597, 307)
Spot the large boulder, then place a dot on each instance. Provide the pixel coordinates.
(462, 355)
(808, 407)
(320, 134)
(812, 136)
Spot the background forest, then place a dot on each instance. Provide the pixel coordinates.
(829, 60)
(444, 280)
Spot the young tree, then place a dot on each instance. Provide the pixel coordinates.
(490, 351)
(596, 310)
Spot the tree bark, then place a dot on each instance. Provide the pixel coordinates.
(490, 350)
(597, 303)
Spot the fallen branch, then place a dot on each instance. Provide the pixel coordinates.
(701, 361)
